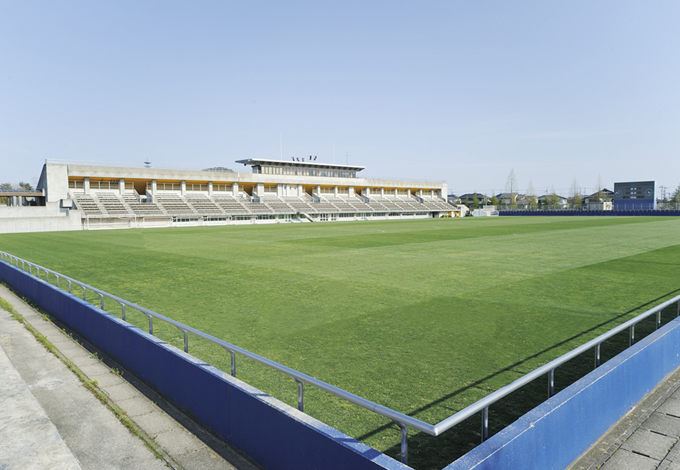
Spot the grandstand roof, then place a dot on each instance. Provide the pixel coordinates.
(302, 164)
(21, 192)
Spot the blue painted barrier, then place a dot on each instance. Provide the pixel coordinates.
(554, 434)
(627, 213)
(270, 432)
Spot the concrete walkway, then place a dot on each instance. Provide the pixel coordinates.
(28, 438)
(645, 439)
(49, 419)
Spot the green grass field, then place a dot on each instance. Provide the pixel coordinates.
(422, 316)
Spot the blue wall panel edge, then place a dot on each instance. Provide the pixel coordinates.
(625, 213)
(269, 431)
(554, 434)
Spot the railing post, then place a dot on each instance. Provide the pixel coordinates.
(485, 424)
(123, 312)
(404, 442)
(101, 301)
(84, 293)
(551, 383)
(58, 278)
(69, 286)
(631, 340)
(186, 341)
(658, 319)
(150, 324)
(301, 393)
(597, 355)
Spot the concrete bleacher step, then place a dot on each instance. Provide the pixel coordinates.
(28, 437)
(125, 204)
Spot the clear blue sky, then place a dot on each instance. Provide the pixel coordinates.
(460, 91)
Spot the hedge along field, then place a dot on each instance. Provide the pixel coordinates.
(422, 316)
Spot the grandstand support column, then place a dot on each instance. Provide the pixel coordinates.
(154, 186)
(86, 185)
(350, 190)
(300, 190)
(419, 192)
(234, 189)
(317, 191)
(183, 187)
(335, 191)
(121, 186)
(210, 188)
(382, 192)
(280, 190)
(366, 192)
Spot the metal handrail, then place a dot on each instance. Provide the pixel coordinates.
(400, 419)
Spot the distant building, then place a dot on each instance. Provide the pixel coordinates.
(599, 201)
(468, 199)
(546, 201)
(506, 199)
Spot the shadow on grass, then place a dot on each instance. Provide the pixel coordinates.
(428, 452)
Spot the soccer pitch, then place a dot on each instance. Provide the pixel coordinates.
(422, 316)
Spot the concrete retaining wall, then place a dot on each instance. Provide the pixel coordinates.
(553, 435)
(48, 218)
(272, 433)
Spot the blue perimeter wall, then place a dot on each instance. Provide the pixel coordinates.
(270, 432)
(598, 213)
(554, 434)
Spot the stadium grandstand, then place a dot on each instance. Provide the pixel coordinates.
(76, 197)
